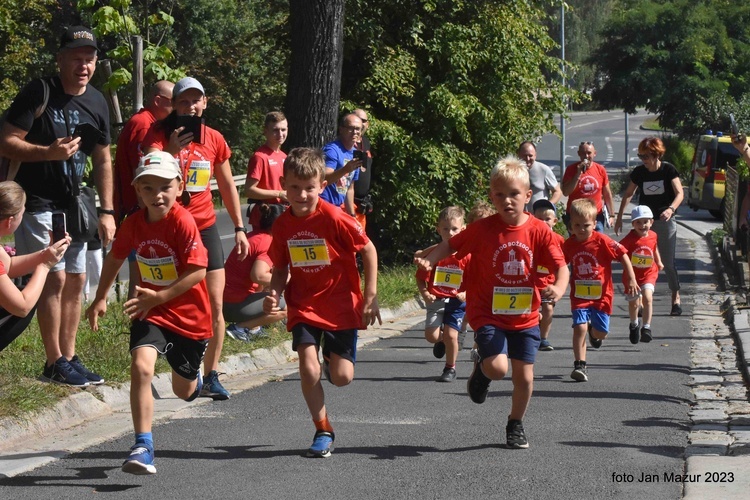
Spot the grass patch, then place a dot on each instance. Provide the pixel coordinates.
(106, 351)
(652, 124)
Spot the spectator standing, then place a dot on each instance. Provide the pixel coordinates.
(588, 179)
(129, 153)
(342, 170)
(362, 198)
(266, 167)
(544, 185)
(199, 163)
(48, 152)
(661, 191)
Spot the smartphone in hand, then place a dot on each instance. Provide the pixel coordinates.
(59, 228)
(192, 123)
(89, 135)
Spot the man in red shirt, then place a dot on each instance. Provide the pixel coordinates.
(588, 179)
(129, 153)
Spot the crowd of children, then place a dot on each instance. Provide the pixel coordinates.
(501, 274)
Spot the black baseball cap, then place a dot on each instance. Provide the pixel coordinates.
(78, 36)
(545, 204)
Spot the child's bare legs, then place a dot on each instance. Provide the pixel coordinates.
(545, 321)
(450, 338)
(341, 370)
(523, 386)
(432, 334)
(182, 387)
(312, 389)
(143, 360)
(495, 367)
(648, 305)
(633, 306)
(579, 341)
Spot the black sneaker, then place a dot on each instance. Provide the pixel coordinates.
(514, 436)
(579, 373)
(595, 343)
(92, 377)
(646, 335)
(478, 384)
(449, 375)
(676, 310)
(61, 372)
(633, 333)
(438, 349)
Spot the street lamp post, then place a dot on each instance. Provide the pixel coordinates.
(562, 67)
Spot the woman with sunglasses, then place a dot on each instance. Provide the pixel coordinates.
(661, 191)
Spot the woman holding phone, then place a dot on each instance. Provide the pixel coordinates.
(17, 307)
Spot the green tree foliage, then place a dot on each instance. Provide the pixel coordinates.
(686, 60)
(23, 49)
(239, 50)
(116, 21)
(451, 86)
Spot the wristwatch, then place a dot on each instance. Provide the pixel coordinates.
(102, 211)
(239, 229)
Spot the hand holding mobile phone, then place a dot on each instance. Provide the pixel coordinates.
(59, 229)
(89, 135)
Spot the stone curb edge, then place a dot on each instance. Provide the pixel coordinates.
(96, 402)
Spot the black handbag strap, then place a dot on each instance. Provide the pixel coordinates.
(75, 188)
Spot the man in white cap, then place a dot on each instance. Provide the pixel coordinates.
(202, 158)
(48, 151)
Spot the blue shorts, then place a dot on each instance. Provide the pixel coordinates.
(448, 312)
(341, 342)
(516, 344)
(32, 235)
(599, 320)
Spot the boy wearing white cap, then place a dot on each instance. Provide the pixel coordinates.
(171, 313)
(644, 256)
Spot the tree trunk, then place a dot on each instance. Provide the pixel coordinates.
(314, 87)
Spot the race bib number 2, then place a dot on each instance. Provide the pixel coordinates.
(511, 301)
(308, 253)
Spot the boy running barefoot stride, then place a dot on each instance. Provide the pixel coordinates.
(316, 242)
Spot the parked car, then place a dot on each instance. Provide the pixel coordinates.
(713, 154)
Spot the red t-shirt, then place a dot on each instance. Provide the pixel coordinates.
(2, 269)
(267, 166)
(543, 276)
(239, 285)
(128, 155)
(320, 249)
(642, 252)
(197, 162)
(591, 275)
(500, 276)
(590, 184)
(163, 250)
(446, 279)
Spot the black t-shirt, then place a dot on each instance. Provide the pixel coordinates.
(362, 185)
(47, 183)
(656, 188)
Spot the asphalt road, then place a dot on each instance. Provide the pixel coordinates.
(400, 434)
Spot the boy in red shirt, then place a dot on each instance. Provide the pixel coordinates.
(641, 244)
(171, 314)
(443, 293)
(316, 243)
(502, 304)
(545, 211)
(590, 255)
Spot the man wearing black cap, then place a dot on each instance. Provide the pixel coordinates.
(48, 153)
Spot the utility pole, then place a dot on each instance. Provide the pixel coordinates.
(562, 66)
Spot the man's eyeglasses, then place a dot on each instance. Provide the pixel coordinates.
(353, 129)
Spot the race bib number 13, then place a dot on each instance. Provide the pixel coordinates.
(158, 271)
(513, 301)
(308, 253)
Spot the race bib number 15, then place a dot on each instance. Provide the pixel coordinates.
(308, 253)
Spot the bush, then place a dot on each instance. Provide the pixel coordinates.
(679, 153)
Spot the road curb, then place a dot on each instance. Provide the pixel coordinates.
(95, 403)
